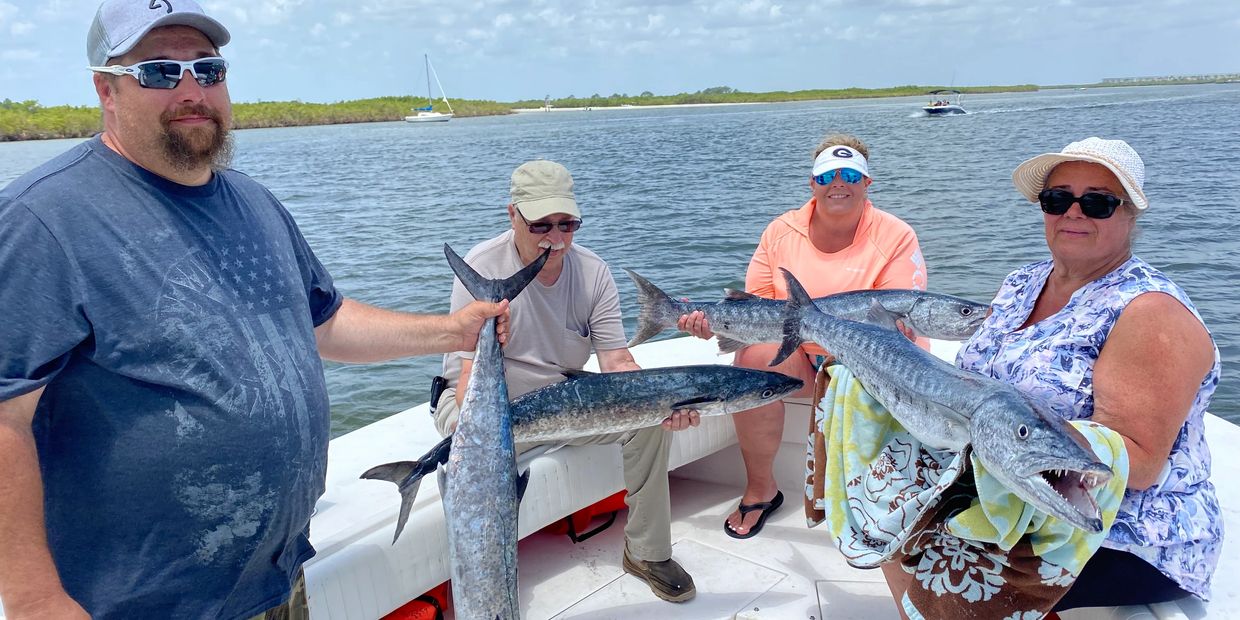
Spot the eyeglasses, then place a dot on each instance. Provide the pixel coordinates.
(167, 74)
(849, 175)
(542, 228)
(1096, 205)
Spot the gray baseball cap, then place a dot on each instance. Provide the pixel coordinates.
(120, 24)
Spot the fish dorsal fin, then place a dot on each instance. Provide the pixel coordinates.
(881, 316)
(735, 295)
(728, 345)
(576, 373)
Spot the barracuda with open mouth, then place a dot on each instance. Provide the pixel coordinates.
(1038, 456)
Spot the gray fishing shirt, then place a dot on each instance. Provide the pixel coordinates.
(182, 434)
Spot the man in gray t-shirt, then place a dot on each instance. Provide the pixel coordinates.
(571, 306)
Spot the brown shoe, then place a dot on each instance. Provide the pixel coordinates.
(666, 579)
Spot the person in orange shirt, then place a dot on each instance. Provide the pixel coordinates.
(837, 241)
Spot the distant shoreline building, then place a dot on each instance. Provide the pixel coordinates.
(1209, 77)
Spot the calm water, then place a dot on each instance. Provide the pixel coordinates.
(681, 196)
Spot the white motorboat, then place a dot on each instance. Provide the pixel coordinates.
(945, 102)
(786, 572)
(427, 113)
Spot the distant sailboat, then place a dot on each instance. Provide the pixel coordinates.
(426, 114)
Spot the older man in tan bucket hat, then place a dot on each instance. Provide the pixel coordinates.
(573, 306)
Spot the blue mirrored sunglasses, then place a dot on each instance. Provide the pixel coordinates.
(166, 74)
(849, 175)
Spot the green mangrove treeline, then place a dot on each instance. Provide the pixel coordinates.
(28, 120)
(724, 94)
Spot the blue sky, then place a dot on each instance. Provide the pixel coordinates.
(316, 50)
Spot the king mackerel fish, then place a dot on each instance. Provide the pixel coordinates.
(741, 318)
(1038, 456)
(587, 404)
(482, 491)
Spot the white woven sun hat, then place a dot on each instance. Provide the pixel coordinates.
(1116, 155)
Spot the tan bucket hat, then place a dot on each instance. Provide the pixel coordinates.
(540, 188)
(1116, 155)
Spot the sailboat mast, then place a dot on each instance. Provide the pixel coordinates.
(427, 60)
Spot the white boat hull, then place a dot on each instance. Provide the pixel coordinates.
(429, 117)
(359, 574)
(943, 110)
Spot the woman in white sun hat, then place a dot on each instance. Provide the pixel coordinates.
(1095, 332)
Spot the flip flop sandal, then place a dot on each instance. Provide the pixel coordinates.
(766, 507)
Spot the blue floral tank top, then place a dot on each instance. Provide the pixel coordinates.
(1175, 524)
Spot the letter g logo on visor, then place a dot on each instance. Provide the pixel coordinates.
(840, 156)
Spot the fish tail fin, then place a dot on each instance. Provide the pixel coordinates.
(654, 309)
(493, 290)
(399, 473)
(798, 302)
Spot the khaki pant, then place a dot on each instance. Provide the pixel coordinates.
(295, 608)
(648, 531)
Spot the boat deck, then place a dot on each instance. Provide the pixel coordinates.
(786, 571)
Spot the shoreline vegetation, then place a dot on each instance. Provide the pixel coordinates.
(28, 120)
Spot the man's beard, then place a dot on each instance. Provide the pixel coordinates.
(190, 149)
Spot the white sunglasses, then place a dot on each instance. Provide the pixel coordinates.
(166, 74)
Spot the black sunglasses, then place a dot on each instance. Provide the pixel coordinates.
(166, 74)
(1096, 205)
(542, 228)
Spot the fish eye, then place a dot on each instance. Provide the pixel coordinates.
(767, 393)
(966, 311)
(1022, 431)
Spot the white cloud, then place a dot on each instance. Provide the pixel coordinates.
(21, 28)
(503, 20)
(342, 19)
(317, 29)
